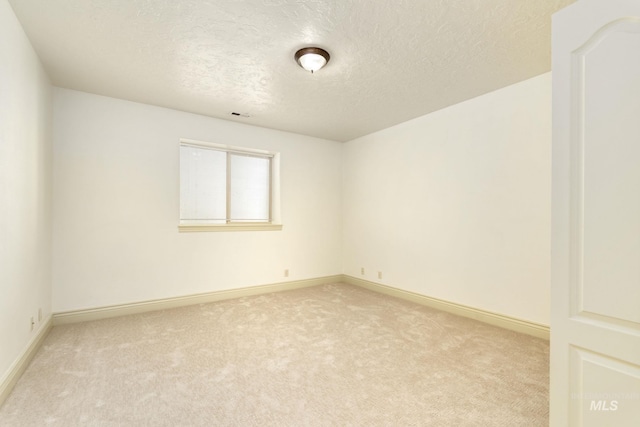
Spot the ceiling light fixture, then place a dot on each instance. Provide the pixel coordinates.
(312, 58)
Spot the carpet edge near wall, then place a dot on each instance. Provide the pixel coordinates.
(496, 319)
(17, 368)
(98, 313)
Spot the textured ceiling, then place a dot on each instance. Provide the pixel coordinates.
(391, 60)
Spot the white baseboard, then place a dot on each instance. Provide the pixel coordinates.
(496, 319)
(20, 365)
(86, 315)
(500, 320)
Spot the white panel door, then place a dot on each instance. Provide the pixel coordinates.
(595, 313)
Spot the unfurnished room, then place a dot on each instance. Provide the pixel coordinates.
(319, 213)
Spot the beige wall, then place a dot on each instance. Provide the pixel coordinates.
(116, 207)
(25, 191)
(453, 205)
(456, 204)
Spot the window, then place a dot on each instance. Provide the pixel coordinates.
(227, 188)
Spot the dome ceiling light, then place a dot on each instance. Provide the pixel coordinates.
(312, 58)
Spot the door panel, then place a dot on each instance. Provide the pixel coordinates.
(609, 185)
(595, 313)
(602, 389)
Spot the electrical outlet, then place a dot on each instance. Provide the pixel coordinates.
(379, 274)
(32, 323)
(286, 273)
(39, 315)
(362, 270)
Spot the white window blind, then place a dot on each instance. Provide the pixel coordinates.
(250, 178)
(222, 186)
(203, 188)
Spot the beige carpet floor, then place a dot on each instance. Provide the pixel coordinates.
(332, 355)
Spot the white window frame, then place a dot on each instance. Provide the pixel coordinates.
(274, 223)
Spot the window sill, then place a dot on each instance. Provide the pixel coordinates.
(188, 228)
